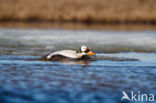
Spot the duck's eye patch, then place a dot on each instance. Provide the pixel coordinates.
(87, 50)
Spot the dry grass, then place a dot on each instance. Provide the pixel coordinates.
(106, 11)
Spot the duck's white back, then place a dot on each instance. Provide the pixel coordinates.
(67, 53)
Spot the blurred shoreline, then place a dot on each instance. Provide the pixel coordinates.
(75, 26)
(142, 12)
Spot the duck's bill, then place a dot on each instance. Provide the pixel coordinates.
(91, 53)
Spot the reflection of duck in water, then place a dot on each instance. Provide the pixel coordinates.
(82, 54)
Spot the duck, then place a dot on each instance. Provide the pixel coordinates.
(83, 53)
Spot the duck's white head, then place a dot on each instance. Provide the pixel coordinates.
(84, 50)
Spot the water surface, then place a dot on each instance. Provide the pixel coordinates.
(24, 78)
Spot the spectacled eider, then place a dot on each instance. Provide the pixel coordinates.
(82, 54)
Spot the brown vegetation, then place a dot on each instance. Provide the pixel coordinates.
(102, 11)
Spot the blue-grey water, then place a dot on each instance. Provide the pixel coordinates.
(126, 61)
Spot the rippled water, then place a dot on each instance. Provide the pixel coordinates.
(25, 78)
